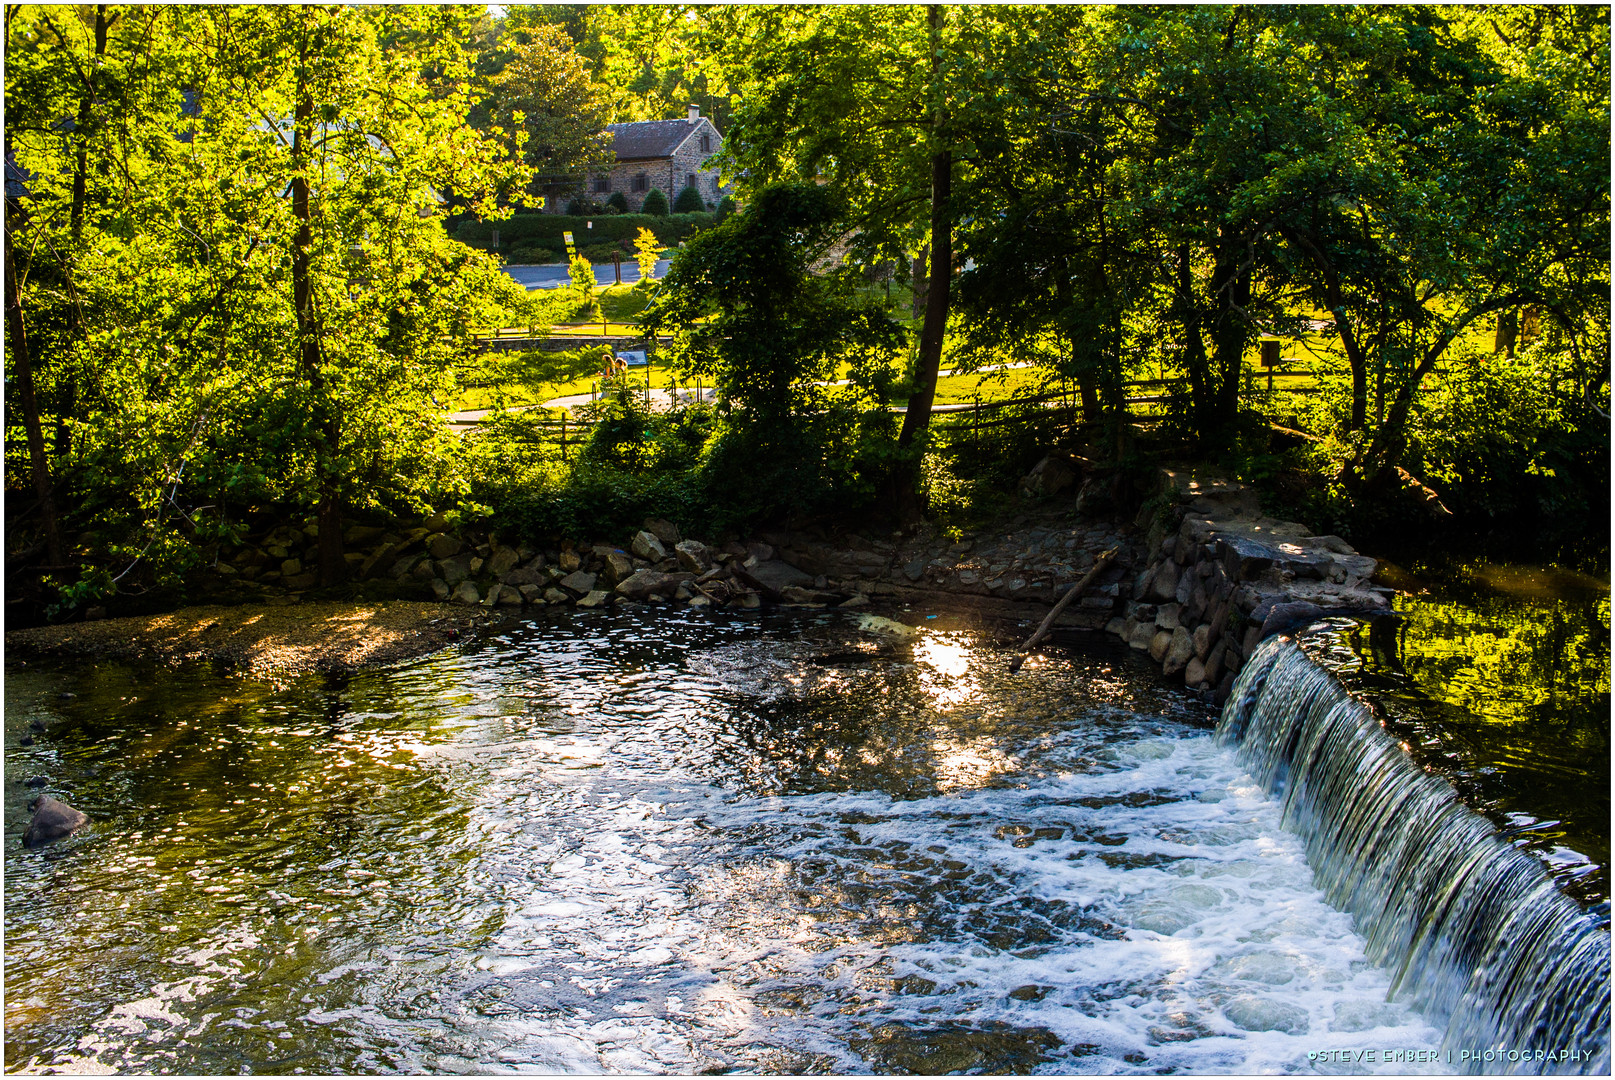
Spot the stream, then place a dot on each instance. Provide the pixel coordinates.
(640, 841)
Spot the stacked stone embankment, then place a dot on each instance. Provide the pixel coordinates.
(1215, 572)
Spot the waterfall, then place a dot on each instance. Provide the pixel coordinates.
(1473, 931)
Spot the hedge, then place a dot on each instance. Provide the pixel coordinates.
(535, 230)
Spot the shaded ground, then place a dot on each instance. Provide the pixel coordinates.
(319, 636)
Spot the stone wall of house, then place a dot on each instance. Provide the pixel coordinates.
(666, 174)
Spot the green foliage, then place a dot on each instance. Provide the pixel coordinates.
(655, 203)
(617, 202)
(726, 206)
(526, 254)
(689, 201)
(581, 273)
(647, 250)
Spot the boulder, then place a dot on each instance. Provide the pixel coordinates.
(1202, 639)
(648, 547)
(618, 567)
(858, 600)
(1056, 473)
(300, 581)
(440, 589)
(771, 576)
(692, 556)
(1166, 616)
(594, 598)
(524, 576)
(1164, 585)
(1143, 636)
(455, 570)
(290, 567)
(643, 584)
(1178, 652)
(532, 594)
(503, 562)
(553, 595)
(1160, 643)
(570, 562)
(53, 819)
(1194, 672)
(1244, 558)
(494, 593)
(663, 530)
(443, 546)
(578, 582)
(466, 593)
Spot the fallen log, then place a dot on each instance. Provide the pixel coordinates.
(1071, 594)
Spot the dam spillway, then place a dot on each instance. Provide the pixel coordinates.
(1476, 934)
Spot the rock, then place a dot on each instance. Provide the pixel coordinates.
(440, 589)
(692, 555)
(455, 570)
(1194, 672)
(425, 570)
(665, 531)
(510, 597)
(593, 599)
(795, 594)
(643, 584)
(1160, 643)
(1143, 636)
(648, 547)
(289, 567)
(1164, 585)
(443, 546)
(1244, 558)
(1166, 616)
(466, 593)
(1224, 688)
(494, 593)
(503, 562)
(570, 562)
(53, 819)
(95, 614)
(553, 595)
(1253, 637)
(969, 577)
(1178, 652)
(1117, 627)
(578, 582)
(524, 576)
(1203, 638)
(750, 601)
(1213, 665)
(531, 593)
(770, 576)
(477, 563)
(618, 567)
(301, 581)
(1054, 474)
(700, 600)
(915, 569)
(857, 601)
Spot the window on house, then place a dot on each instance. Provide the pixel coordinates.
(641, 182)
(602, 184)
(715, 185)
(706, 144)
(691, 181)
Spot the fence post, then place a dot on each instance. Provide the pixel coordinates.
(975, 426)
(563, 437)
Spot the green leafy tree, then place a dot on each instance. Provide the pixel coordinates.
(647, 249)
(745, 313)
(550, 110)
(655, 203)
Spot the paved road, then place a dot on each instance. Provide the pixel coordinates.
(550, 275)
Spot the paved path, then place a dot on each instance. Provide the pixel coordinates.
(551, 275)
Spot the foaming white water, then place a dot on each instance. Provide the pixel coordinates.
(1151, 913)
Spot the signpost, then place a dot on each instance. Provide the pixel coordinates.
(1270, 358)
(571, 248)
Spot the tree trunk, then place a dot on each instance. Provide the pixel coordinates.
(918, 416)
(917, 274)
(23, 371)
(333, 568)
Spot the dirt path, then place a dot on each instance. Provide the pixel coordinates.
(321, 636)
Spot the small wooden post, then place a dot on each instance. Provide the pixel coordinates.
(563, 437)
(975, 426)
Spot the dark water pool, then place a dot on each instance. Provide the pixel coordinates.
(1504, 687)
(620, 842)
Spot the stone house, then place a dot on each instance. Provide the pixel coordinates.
(669, 155)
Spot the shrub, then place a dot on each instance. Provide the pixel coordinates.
(726, 206)
(525, 254)
(689, 201)
(655, 203)
(602, 252)
(617, 202)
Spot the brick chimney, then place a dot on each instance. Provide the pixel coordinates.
(695, 113)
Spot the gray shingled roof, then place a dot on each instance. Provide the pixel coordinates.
(649, 139)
